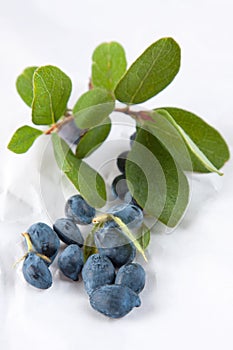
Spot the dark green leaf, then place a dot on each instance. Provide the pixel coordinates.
(89, 246)
(24, 85)
(144, 238)
(168, 135)
(93, 138)
(23, 139)
(189, 142)
(150, 73)
(109, 64)
(208, 139)
(85, 179)
(52, 90)
(174, 138)
(93, 107)
(156, 181)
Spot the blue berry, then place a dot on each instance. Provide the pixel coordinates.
(70, 261)
(97, 271)
(121, 160)
(114, 301)
(119, 186)
(44, 240)
(111, 242)
(36, 272)
(79, 210)
(130, 214)
(131, 275)
(132, 138)
(68, 232)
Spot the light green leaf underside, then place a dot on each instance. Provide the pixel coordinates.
(60, 151)
(23, 139)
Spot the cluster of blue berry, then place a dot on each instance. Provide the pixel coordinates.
(111, 278)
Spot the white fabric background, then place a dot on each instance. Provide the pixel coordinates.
(188, 299)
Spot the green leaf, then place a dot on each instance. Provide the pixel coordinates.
(177, 142)
(93, 138)
(85, 179)
(150, 73)
(23, 139)
(88, 182)
(190, 144)
(93, 107)
(60, 149)
(52, 90)
(144, 238)
(24, 85)
(89, 246)
(168, 135)
(207, 139)
(155, 179)
(108, 65)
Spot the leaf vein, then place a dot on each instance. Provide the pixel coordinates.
(148, 72)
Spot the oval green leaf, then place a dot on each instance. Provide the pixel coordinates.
(93, 139)
(191, 145)
(108, 65)
(150, 73)
(93, 107)
(51, 88)
(168, 135)
(155, 179)
(60, 149)
(23, 139)
(85, 179)
(24, 85)
(206, 138)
